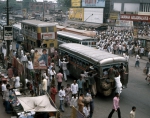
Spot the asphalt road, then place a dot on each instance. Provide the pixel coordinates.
(136, 94)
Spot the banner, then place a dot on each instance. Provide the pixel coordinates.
(75, 3)
(135, 17)
(93, 3)
(40, 58)
(124, 23)
(76, 14)
(8, 33)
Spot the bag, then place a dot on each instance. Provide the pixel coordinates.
(144, 70)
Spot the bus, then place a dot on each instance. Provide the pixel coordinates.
(39, 34)
(68, 37)
(17, 36)
(82, 57)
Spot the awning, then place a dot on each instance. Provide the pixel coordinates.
(36, 104)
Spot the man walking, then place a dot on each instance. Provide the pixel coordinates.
(116, 106)
(80, 86)
(132, 113)
(137, 62)
(74, 88)
(61, 97)
(147, 66)
(64, 68)
(59, 77)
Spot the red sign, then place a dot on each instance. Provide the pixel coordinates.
(135, 17)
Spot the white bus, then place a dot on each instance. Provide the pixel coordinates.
(17, 35)
(82, 57)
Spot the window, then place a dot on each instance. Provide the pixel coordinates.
(50, 29)
(51, 44)
(84, 43)
(44, 29)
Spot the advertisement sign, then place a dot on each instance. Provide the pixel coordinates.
(75, 3)
(47, 36)
(76, 14)
(40, 58)
(124, 23)
(135, 17)
(8, 33)
(113, 16)
(93, 3)
(93, 15)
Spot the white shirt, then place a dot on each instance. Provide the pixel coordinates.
(86, 111)
(32, 51)
(30, 65)
(24, 58)
(132, 114)
(137, 57)
(74, 88)
(17, 82)
(61, 94)
(141, 50)
(118, 82)
(64, 65)
(44, 84)
(73, 101)
(3, 87)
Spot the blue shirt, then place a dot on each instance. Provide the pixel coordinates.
(80, 83)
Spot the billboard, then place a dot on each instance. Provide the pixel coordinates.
(75, 3)
(76, 14)
(133, 17)
(93, 15)
(8, 33)
(40, 60)
(93, 3)
(124, 23)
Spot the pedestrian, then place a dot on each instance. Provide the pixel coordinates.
(116, 106)
(44, 85)
(64, 68)
(74, 88)
(80, 86)
(17, 47)
(17, 81)
(86, 110)
(132, 113)
(147, 67)
(80, 103)
(53, 92)
(52, 72)
(141, 52)
(61, 98)
(59, 78)
(53, 81)
(6, 98)
(118, 83)
(91, 108)
(3, 87)
(68, 95)
(73, 101)
(4, 50)
(137, 62)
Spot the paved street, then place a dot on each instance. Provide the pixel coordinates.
(137, 94)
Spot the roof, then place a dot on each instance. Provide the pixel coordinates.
(17, 25)
(73, 36)
(92, 53)
(38, 23)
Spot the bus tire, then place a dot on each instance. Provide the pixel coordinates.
(105, 85)
(107, 93)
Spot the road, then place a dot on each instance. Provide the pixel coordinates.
(136, 94)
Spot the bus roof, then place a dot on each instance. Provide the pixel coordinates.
(73, 35)
(37, 23)
(93, 54)
(17, 25)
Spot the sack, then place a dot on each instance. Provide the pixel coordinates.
(144, 70)
(87, 99)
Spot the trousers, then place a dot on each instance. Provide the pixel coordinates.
(113, 110)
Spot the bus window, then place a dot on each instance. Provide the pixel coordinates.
(84, 43)
(34, 29)
(50, 29)
(44, 29)
(51, 44)
(45, 45)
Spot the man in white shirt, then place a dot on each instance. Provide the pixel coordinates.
(141, 52)
(64, 68)
(3, 87)
(74, 88)
(44, 85)
(132, 113)
(17, 81)
(137, 58)
(61, 95)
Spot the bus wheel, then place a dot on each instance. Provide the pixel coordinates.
(106, 85)
(107, 93)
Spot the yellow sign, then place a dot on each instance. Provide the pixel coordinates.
(76, 14)
(75, 1)
(113, 16)
(75, 4)
(135, 33)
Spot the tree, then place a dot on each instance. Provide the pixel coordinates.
(64, 4)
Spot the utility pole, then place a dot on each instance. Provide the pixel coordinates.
(8, 41)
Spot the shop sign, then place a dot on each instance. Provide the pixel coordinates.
(124, 23)
(135, 17)
(47, 36)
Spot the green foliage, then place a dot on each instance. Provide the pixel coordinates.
(64, 4)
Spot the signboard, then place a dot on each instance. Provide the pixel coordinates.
(113, 16)
(135, 17)
(40, 58)
(8, 33)
(76, 14)
(135, 33)
(93, 3)
(93, 15)
(75, 3)
(47, 36)
(124, 23)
